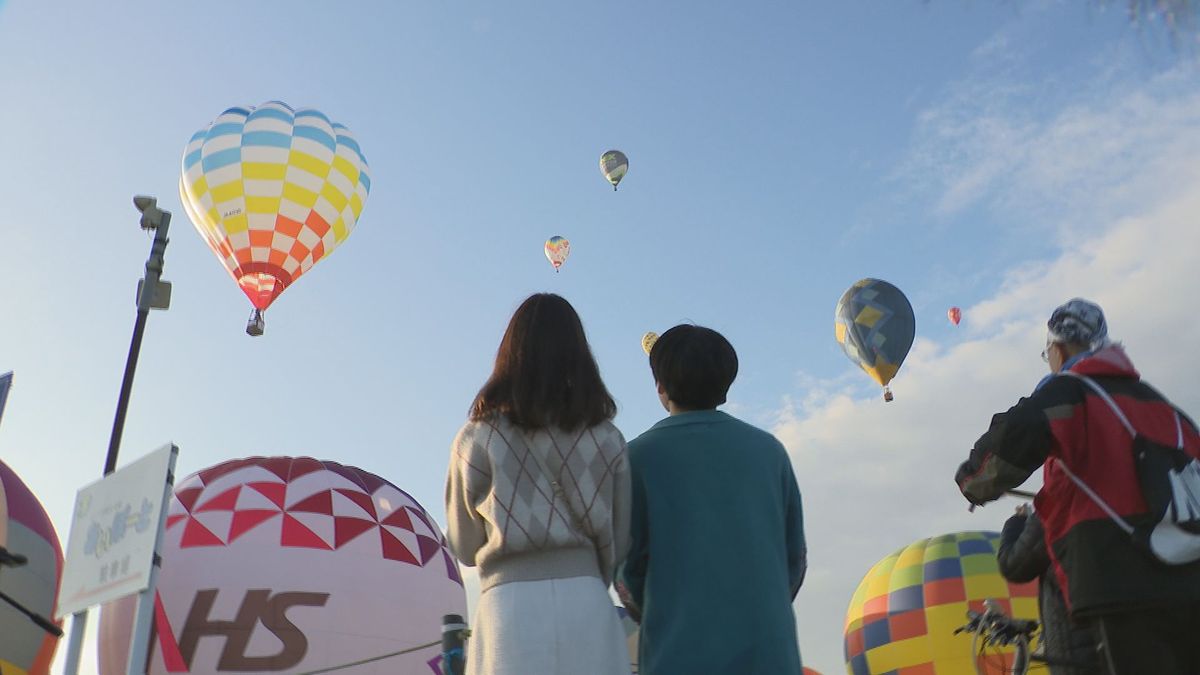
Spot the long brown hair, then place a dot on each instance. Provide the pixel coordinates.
(545, 374)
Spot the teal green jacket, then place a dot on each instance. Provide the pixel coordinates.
(717, 552)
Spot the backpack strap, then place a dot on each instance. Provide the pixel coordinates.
(1120, 414)
(1087, 490)
(1107, 399)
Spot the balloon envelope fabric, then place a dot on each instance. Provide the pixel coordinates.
(875, 325)
(903, 615)
(25, 529)
(291, 564)
(273, 191)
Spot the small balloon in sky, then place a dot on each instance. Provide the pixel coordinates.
(273, 190)
(648, 341)
(954, 314)
(614, 164)
(557, 250)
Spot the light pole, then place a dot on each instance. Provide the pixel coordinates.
(152, 293)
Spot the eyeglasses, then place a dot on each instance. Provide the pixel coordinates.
(1046, 352)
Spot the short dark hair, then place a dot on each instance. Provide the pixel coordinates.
(695, 366)
(545, 375)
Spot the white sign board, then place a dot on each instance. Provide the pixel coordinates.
(111, 548)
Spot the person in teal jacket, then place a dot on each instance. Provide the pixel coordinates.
(717, 536)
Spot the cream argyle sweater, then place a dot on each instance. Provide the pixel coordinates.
(505, 517)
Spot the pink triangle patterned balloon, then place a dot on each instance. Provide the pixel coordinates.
(291, 564)
(557, 250)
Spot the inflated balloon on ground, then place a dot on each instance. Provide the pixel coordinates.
(288, 565)
(25, 529)
(903, 615)
(273, 191)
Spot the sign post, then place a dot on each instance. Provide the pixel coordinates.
(114, 547)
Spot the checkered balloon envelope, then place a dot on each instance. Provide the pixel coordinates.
(273, 190)
(904, 613)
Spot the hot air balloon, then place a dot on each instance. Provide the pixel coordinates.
(874, 323)
(614, 164)
(648, 341)
(26, 530)
(906, 608)
(954, 314)
(289, 565)
(272, 191)
(557, 250)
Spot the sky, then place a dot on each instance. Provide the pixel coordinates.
(998, 156)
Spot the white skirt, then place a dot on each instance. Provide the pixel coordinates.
(550, 627)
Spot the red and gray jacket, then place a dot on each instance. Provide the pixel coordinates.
(1096, 563)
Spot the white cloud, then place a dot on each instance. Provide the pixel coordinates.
(878, 476)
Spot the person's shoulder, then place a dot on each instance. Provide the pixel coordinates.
(755, 436)
(480, 432)
(607, 436)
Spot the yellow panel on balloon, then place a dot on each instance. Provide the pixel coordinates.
(894, 655)
(868, 316)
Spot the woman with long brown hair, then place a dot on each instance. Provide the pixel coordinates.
(537, 497)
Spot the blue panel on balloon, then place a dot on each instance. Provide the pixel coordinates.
(969, 546)
(876, 634)
(858, 665)
(906, 599)
(946, 568)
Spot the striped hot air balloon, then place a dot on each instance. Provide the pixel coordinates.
(273, 191)
(25, 529)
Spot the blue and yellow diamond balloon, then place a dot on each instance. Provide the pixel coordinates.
(875, 326)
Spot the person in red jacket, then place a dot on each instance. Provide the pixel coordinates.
(1145, 612)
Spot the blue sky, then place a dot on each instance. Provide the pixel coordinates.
(969, 152)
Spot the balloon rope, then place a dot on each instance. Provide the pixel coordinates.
(1020, 493)
(370, 660)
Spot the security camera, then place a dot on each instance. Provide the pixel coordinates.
(151, 215)
(142, 202)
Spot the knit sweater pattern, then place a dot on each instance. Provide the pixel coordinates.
(506, 517)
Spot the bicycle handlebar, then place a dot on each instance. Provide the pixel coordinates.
(996, 627)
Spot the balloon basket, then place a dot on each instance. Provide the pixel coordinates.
(887, 395)
(256, 325)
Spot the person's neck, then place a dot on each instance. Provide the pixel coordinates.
(673, 410)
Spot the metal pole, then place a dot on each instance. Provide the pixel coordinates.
(75, 643)
(160, 221)
(454, 629)
(153, 294)
(139, 644)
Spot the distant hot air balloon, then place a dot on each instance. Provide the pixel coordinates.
(648, 341)
(26, 530)
(557, 250)
(954, 314)
(875, 325)
(614, 164)
(903, 616)
(273, 191)
(290, 565)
